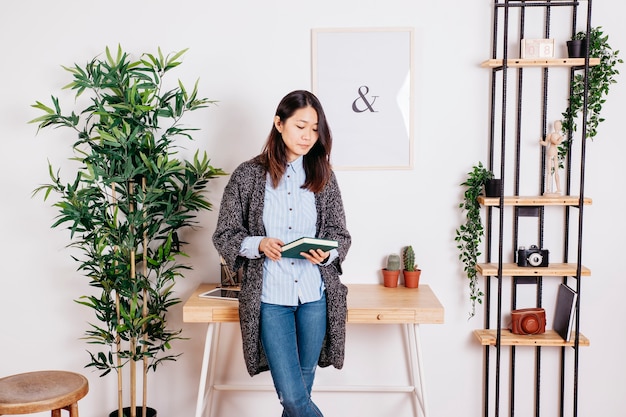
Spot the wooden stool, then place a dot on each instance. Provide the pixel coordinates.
(34, 392)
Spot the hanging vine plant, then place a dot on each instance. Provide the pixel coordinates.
(469, 235)
(600, 79)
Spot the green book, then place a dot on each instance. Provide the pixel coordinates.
(305, 244)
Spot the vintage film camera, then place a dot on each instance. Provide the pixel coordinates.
(528, 321)
(533, 256)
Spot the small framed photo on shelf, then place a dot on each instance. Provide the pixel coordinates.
(537, 48)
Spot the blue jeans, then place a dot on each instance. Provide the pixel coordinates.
(292, 339)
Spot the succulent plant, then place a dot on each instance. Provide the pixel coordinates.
(393, 262)
(408, 258)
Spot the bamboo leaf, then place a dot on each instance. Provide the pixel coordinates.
(173, 59)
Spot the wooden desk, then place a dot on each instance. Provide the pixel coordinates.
(367, 304)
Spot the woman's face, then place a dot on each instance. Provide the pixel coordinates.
(299, 132)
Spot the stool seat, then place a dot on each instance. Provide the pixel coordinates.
(33, 392)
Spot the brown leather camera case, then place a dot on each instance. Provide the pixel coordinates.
(528, 321)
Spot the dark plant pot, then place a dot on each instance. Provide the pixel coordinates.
(576, 48)
(493, 187)
(150, 412)
(390, 278)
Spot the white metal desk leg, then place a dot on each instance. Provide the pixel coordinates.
(206, 359)
(417, 368)
(208, 401)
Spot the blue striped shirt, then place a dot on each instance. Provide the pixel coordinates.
(289, 213)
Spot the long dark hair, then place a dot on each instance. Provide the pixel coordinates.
(317, 161)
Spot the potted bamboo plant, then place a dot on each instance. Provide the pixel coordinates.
(126, 204)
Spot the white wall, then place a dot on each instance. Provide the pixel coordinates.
(248, 54)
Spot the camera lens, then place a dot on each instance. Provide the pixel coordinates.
(535, 259)
(530, 324)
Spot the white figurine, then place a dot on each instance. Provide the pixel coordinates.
(552, 142)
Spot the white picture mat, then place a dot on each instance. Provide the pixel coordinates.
(371, 69)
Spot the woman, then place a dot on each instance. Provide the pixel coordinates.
(292, 311)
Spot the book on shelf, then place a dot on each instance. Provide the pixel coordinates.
(305, 244)
(564, 311)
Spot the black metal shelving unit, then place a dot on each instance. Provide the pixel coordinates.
(504, 214)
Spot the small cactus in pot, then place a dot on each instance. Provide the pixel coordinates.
(393, 262)
(411, 273)
(408, 258)
(392, 271)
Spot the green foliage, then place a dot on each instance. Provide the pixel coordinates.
(469, 235)
(393, 262)
(128, 199)
(408, 258)
(599, 81)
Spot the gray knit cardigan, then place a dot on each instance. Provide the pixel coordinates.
(240, 216)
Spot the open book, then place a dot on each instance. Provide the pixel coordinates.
(305, 244)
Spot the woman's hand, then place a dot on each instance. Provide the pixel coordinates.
(316, 257)
(271, 247)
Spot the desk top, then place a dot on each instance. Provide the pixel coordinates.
(367, 304)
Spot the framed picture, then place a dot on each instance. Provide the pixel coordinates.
(364, 79)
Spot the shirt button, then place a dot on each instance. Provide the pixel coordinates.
(296, 281)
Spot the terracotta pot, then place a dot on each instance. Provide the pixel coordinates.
(412, 278)
(390, 278)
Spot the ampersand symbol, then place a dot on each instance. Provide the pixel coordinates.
(363, 90)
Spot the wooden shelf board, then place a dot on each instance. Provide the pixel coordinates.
(538, 200)
(512, 270)
(487, 337)
(552, 62)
